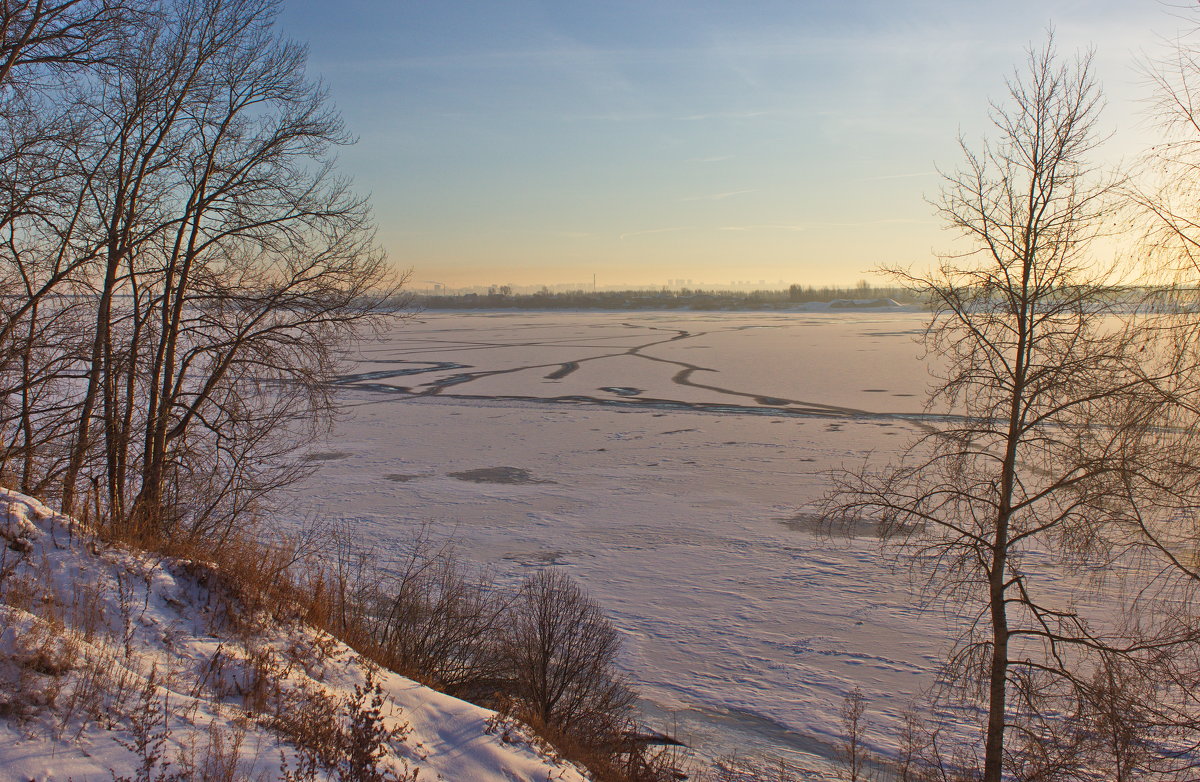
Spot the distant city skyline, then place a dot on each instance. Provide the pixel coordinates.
(523, 143)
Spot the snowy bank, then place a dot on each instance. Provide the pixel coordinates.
(116, 664)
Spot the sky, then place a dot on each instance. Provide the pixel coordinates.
(644, 142)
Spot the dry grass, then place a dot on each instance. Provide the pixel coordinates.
(250, 582)
(429, 618)
(74, 660)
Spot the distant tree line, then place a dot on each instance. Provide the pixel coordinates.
(657, 299)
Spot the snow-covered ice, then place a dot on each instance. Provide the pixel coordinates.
(670, 457)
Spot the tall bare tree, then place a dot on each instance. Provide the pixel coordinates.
(1014, 480)
(46, 48)
(181, 263)
(234, 263)
(1160, 444)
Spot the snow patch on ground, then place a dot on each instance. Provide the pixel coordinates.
(103, 650)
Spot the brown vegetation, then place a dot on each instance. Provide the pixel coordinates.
(542, 653)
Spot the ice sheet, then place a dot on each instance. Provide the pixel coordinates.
(685, 521)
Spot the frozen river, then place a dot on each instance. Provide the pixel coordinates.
(668, 461)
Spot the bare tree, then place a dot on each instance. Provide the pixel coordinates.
(1014, 479)
(232, 262)
(435, 620)
(852, 753)
(45, 48)
(560, 650)
(1145, 708)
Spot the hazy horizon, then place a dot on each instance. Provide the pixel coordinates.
(673, 284)
(530, 143)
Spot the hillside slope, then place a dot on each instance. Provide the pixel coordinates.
(122, 665)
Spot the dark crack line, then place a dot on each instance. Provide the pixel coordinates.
(683, 378)
(563, 369)
(400, 394)
(766, 404)
(384, 374)
(435, 387)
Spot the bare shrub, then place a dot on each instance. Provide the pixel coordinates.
(437, 621)
(100, 686)
(852, 753)
(348, 738)
(636, 757)
(305, 771)
(543, 654)
(366, 740)
(248, 580)
(148, 723)
(914, 747)
(309, 718)
(35, 671)
(560, 651)
(84, 611)
(261, 675)
(219, 760)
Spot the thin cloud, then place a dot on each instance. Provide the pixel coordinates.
(717, 196)
(895, 176)
(643, 116)
(733, 115)
(651, 231)
(616, 116)
(764, 227)
(807, 226)
(885, 221)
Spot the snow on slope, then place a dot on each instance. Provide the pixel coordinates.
(112, 661)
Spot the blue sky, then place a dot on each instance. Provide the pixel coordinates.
(544, 142)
